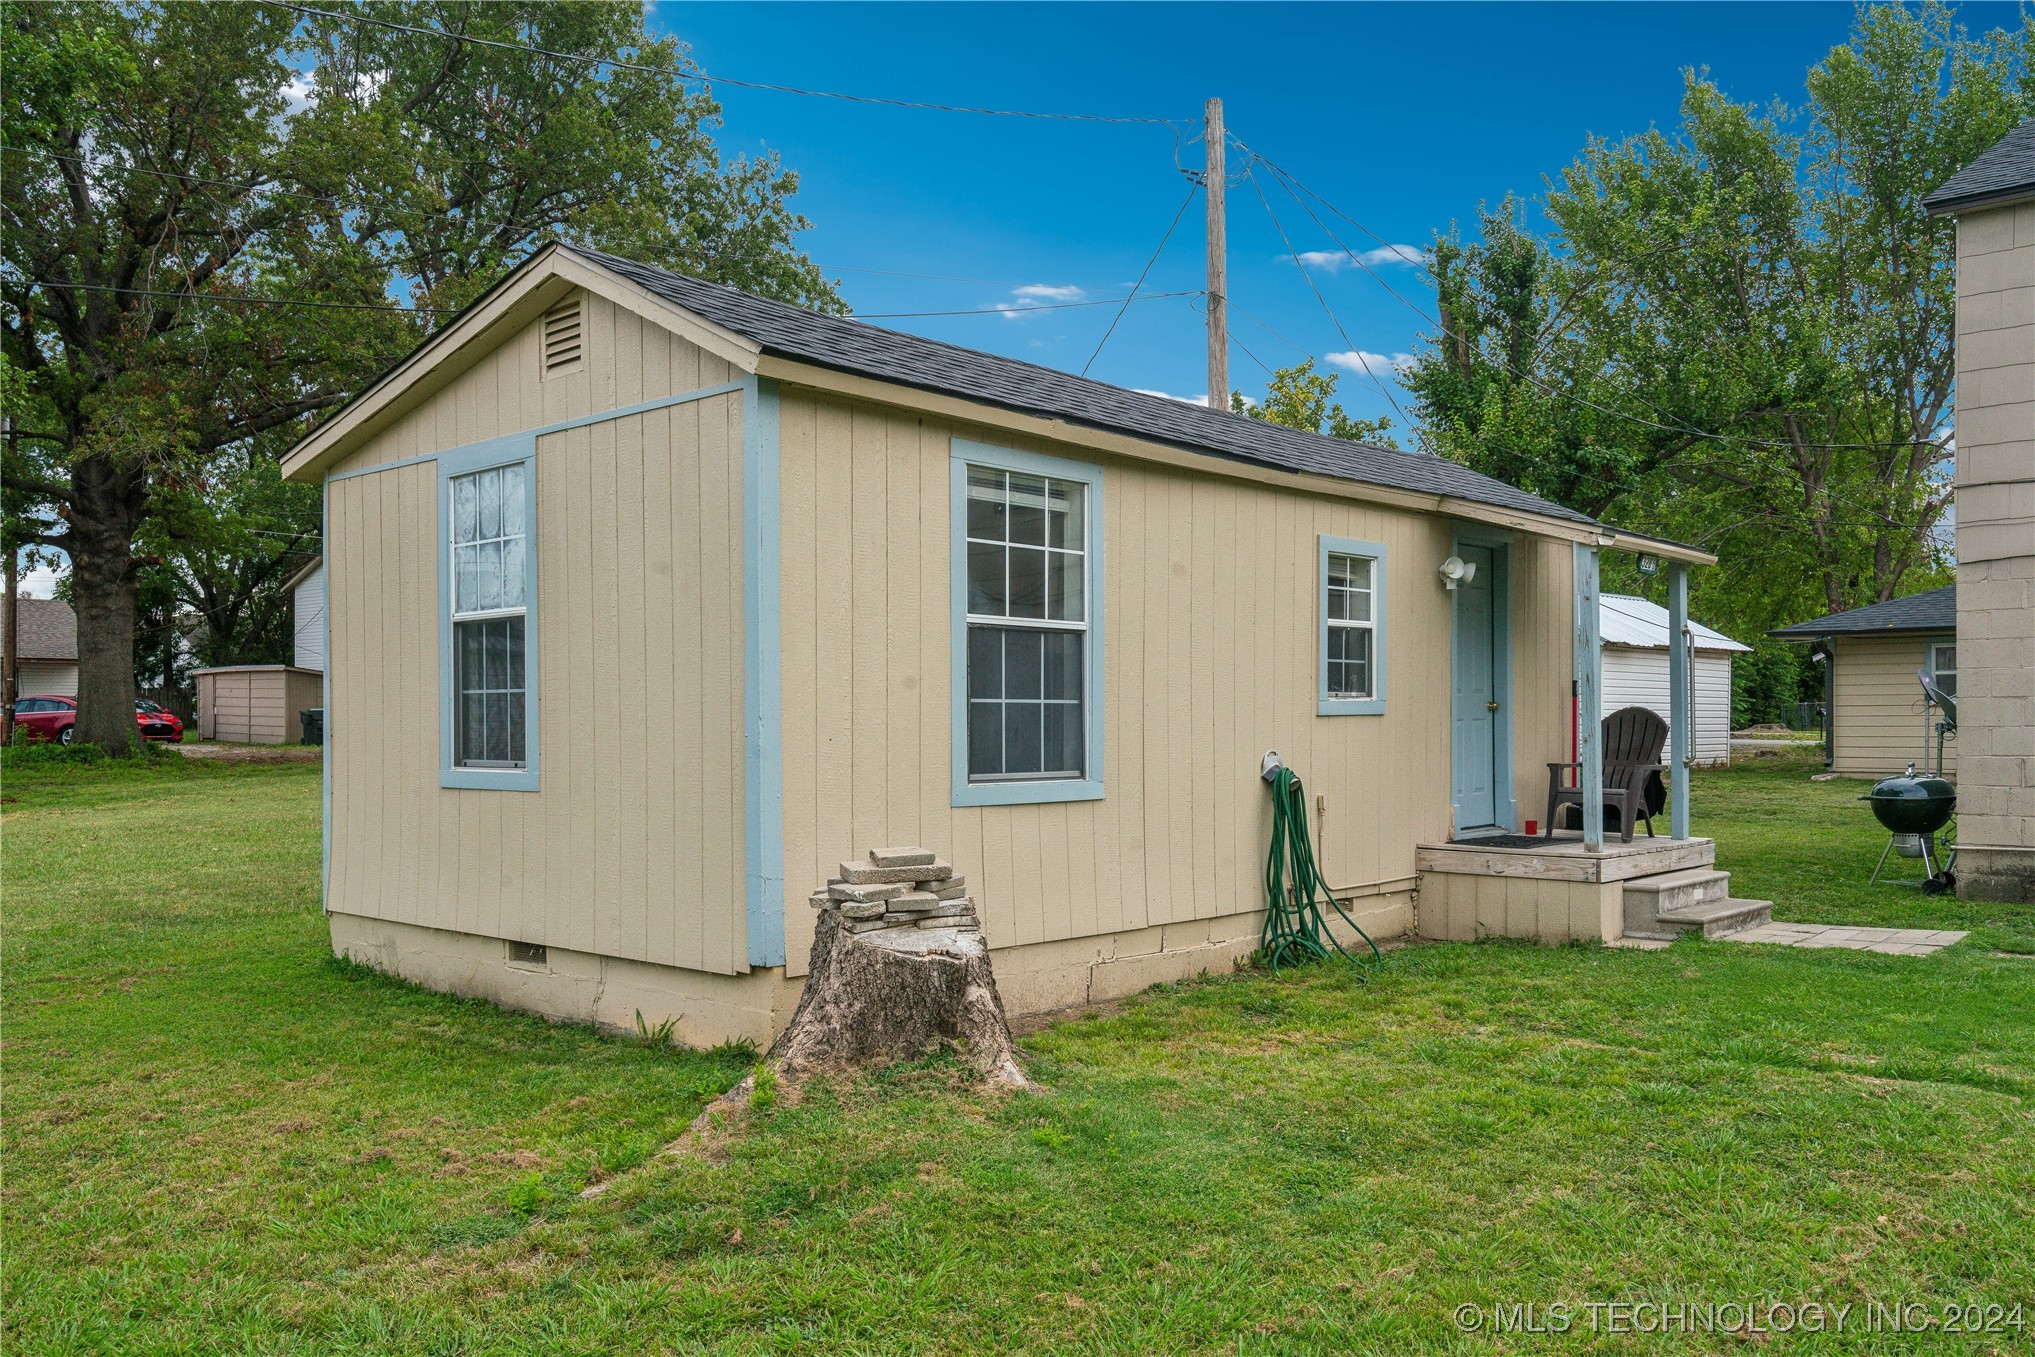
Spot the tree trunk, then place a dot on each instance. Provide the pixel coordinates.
(103, 519)
(876, 993)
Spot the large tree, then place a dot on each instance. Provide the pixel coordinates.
(1739, 333)
(172, 163)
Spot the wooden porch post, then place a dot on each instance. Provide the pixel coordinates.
(1589, 687)
(1678, 699)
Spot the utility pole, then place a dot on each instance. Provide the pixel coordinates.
(10, 662)
(10, 653)
(1218, 258)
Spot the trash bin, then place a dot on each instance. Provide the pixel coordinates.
(314, 724)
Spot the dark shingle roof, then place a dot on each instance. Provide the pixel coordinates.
(49, 629)
(1933, 610)
(2002, 174)
(889, 355)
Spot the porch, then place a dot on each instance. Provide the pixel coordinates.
(1578, 885)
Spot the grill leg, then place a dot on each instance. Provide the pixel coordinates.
(1882, 862)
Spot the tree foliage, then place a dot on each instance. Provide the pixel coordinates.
(1301, 398)
(175, 160)
(1739, 333)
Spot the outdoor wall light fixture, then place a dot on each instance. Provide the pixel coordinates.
(1455, 570)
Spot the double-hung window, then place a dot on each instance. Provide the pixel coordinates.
(1943, 666)
(1351, 669)
(489, 584)
(1028, 649)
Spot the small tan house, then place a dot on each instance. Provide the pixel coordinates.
(651, 601)
(1879, 719)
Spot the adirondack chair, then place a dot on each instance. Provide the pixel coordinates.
(1633, 738)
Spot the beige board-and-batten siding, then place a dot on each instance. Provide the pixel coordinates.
(256, 703)
(628, 863)
(1877, 714)
(631, 850)
(1210, 601)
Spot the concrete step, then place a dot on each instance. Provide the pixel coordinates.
(1648, 897)
(1712, 919)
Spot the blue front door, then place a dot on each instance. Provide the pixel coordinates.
(1476, 694)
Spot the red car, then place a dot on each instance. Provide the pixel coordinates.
(52, 718)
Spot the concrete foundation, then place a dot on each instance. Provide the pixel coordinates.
(609, 992)
(2005, 875)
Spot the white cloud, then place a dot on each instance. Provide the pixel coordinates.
(1032, 296)
(1202, 399)
(1334, 261)
(1373, 364)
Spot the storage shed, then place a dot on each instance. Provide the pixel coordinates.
(255, 703)
(1635, 635)
(651, 601)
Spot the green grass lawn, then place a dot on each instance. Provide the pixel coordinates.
(217, 1139)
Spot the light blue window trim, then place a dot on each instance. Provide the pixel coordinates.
(762, 676)
(583, 421)
(1374, 705)
(495, 452)
(1043, 790)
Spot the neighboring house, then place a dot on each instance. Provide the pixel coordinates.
(1993, 200)
(307, 590)
(49, 646)
(651, 601)
(1635, 634)
(1879, 721)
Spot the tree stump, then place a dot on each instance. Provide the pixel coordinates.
(899, 965)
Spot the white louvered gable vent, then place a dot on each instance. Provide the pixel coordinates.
(564, 345)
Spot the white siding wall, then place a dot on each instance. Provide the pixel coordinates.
(1639, 678)
(310, 609)
(48, 678)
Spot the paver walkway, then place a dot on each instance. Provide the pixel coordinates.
(1898, 941)
(1894, 941)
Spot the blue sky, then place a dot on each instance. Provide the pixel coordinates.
(1404, 116)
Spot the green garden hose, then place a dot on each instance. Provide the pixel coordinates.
(1295, 933)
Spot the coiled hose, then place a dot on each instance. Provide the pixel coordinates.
(1294, 932)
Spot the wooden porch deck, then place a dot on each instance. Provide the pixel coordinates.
(1554, 892)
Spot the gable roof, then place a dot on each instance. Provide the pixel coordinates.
(2003, 173)
(848, 345)
(1932, 610)
(49, 629)
(1628, 620)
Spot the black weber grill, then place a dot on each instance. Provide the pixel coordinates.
(1914, 811)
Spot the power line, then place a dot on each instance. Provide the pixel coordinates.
(241, 299)
(1727, 443)
(1295, 256)
(1172, 226)
(1021, 310)
(617, 63)
(1295, 188)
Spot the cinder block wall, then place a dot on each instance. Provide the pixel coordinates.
(1996, 553)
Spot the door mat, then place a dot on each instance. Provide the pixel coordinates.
(1506, 841)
